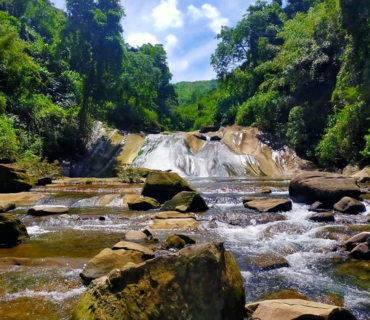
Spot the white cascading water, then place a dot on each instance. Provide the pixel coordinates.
(170, 152)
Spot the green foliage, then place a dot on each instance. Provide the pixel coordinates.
(9, 144)
(38, 168)
(126, 173)
(189, 92)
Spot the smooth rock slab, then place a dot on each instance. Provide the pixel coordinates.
(296, 309)
(108, 260)
(350, 206)
(269, 205)
(201, 282)
(173, 215)
(126, 245)
(173, 224)
(47, 210)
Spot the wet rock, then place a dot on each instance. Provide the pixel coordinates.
(102, 218)
(163, 186)
(266, 190)
(216, 138)
(136, 236)
(213, 225)
(350, 206)
(285, 294)
(14, 179)
(270, 261)
(249, 199)
(126, 245)
(65, 216)
(317, 207)
(47, 210)
(174, 242)
(199, 282)
(173, 215)
(108, 260)
(356, 239)
(12, 230)
(44, 181)
(191, 200)
(22, 199)
(6, 206)
(365, 179)
(322, 217)
(172, 224)
(269, 205)
(324, 187)
(294, 309)
(333, 299)
(187, 239)
(361, 252)
(200, 136)
(143, 204)
(182, 209)
(206, 129)
(193, 142)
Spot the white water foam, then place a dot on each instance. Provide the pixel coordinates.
(55, 295)
(35, 230)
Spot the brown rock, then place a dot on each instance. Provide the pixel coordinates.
(174, 242)
(324, 187)
(357, 239)
(47, 210)
(295, 309)
(143, 204)
(136, 236)
(361, 252)
(6, 206)
(270, 261)
(285, 294)
(22, 199)
(322, 217)
(172, 224)
(108, 260)
(126, 245)
(187, 239)
(199, 282)
(350, 206)
(266, 190)
(269, 205)
(249, 199)
(317, 207)
(173, 215)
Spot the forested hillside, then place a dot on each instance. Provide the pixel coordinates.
(189, 91)
(299, 72)
(60, 71)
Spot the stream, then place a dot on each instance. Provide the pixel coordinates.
(40, 279)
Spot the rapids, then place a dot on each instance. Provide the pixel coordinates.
(40, 279)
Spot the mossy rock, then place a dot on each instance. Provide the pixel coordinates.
(186, 201)
(174, 242)
(143, 204)
(163, 186)
(12, 230)
(199, 282)
(14, 179)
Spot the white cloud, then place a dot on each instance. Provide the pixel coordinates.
(171, 43)
(166, 15)
(207, 11)
(140, 38)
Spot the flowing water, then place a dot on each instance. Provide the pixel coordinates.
(40, 279)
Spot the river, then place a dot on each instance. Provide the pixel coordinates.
(40, 279)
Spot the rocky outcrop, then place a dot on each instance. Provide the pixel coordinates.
(269, 205)
(199, 282)
(322, 217)
(108, 260)
(14, 179)
(47, 210)
(143, 204)
(295, 309)
(12, 230)
(350, 206)
(6, 206)
(188, 201)
(163, 186)
(324, 187)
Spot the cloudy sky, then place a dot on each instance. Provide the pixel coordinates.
(187, 28)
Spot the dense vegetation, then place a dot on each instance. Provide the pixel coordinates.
(60, 71)
(300, 73)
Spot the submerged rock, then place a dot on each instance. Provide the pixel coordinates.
(108, 260)
(47, 210)
(143, 204)
(350, 206)
(188, 201)
(324, 187)
(163, 186)
(13, 179)
(294, 309)
(284, 294)
(199, 282)
(269, 205)
(6, 206)
(12, 230)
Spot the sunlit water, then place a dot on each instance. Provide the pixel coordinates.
(46, 284)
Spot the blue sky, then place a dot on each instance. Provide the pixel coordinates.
(187, 28)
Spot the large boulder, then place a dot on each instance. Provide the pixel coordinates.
(186, 201)
(199, 282)
(350, 206)
(47, 210)
(269, 205)
(324, 187)
(163, 186)
(294, 309)
(12, 231)
(14, 179)
(143, 204)
(108, 260)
